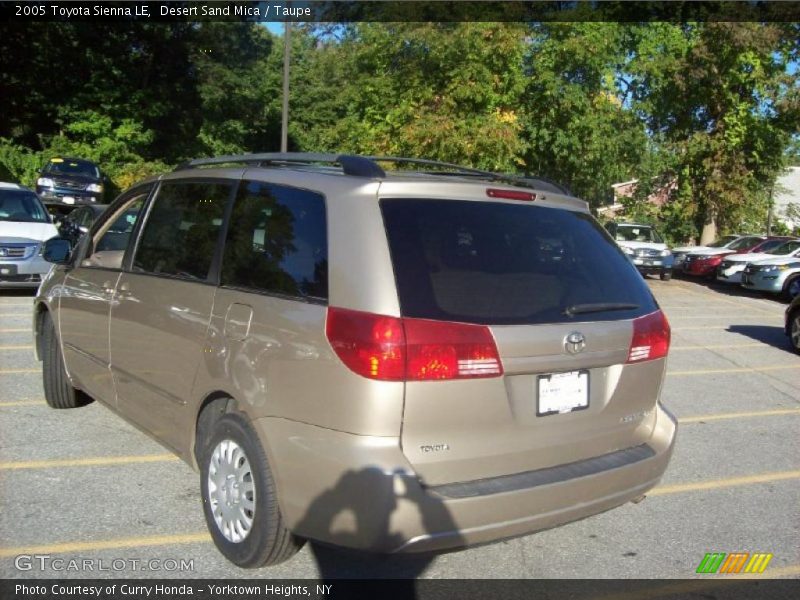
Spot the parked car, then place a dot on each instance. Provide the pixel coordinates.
(680, 252)
(646, 248)
(792, 319)
(778, 275)
(466, 354)
(704, 262)
(70, 181)
(24, 225)
(79, 221)
(732, 266)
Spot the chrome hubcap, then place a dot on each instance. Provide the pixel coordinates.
(231, 491)
(795, 332)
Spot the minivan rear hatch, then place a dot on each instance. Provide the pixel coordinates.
(564, 307)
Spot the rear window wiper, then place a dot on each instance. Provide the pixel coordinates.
(577, 309)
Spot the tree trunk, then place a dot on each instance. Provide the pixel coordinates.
(709, 233)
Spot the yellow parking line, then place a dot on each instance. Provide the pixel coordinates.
(720, 346)
(28, 304)
(740, 415)
(717, 326)
(718, 316)
(131, 542)
(95, 461)
(772, 573)
(26, 330)
(26, 315)
(4, 348)
(734, 370)
(22, 403)
(716, 484)
(18, 371)
(718, 298)
(191, 538)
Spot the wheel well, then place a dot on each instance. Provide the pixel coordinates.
(211, 410)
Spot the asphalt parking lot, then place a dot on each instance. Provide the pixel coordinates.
(84, 484)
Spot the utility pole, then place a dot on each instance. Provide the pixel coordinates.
(769, 210)
(287, 53)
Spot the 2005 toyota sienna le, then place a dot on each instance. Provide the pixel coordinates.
(389, 360)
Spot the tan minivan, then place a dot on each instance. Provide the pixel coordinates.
(395, 361)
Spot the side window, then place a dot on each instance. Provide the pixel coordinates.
(182, 229)
(109, 248)
(277, 241)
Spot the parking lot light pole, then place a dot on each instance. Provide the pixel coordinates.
(287, 29)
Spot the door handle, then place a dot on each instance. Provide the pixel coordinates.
(107, 287)
(124, 287)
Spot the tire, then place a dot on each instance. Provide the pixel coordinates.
(251, 533)
(666, 275)
(57, 390)
(794, 330)
(791, 288)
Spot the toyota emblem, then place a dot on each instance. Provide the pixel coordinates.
(575, 342)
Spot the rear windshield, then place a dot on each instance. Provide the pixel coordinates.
(72, 167)
(21, 206)
(493, 263)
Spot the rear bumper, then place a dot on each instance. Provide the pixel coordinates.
(360, 492)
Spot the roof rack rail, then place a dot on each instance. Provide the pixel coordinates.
(526, 179)
(367, 166)
(358, 166)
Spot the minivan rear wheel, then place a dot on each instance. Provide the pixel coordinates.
(58, 392)
(240, 499)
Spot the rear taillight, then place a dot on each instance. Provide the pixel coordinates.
(651, 337)
(395, 349)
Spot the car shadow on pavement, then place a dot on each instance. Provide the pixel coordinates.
(766, 334)
(359, 511)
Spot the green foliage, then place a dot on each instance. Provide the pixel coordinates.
(711, 110)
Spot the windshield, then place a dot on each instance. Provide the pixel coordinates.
(62, 166)
(492, 263)
(786, 248)
(743, 243)
(21, 206)
(723, 241)
(637, 233)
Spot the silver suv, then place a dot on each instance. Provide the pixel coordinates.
(394, 361)
(24, 227)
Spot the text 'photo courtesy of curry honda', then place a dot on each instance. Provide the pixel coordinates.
(384, 354)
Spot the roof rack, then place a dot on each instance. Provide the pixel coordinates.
(351, 165)
(367, 166)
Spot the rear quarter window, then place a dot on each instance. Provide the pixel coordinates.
(277, 242)
(496, 263)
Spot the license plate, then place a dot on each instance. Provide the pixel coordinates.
(68, 200)
(563, 392)
(638, 261)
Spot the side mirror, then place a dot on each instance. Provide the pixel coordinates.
(57, 250)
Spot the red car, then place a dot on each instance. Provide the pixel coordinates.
(704, 263)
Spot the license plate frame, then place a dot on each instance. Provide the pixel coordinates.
(575, 384)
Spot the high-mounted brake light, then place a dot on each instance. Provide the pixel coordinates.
(510, 194)
(651, 337)
(395, 349)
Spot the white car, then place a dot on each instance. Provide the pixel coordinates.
(680, 252)
(645, 248)
(731, 268)
(24, 226)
